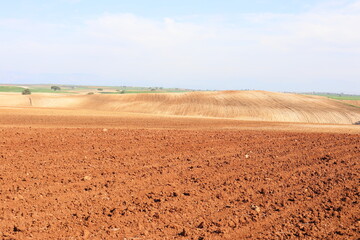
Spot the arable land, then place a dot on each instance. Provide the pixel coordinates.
(80, 173)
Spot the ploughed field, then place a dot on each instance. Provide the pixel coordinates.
(176, 183)
(241, 105)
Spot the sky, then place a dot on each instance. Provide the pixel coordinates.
(273, 45)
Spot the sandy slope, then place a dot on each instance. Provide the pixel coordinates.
(245, 105)
(352, 102)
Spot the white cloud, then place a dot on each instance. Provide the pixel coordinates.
(319, 30)
(129, 28)
(329, 31)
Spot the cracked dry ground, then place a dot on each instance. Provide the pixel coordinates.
(63, 183)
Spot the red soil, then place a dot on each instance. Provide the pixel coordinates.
(175, 183)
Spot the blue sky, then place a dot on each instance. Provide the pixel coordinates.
(45, 9)
(276, 45)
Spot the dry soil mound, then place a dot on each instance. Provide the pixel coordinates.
(352, 102)
(245, 105)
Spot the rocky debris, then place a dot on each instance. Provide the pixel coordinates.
(86, 234)
(201, 225)
(87, 178)
(183, 233)
(256, 208)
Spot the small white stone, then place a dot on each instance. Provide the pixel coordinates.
(87, 178)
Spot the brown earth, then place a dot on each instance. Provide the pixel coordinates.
(243, 105)
(352, 102)
(81, 174)
(49, 118)
(70, 171)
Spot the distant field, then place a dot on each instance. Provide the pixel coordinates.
(32, 89)
(46, 90)
(144, 91)
(11, 89)
(341, 97)
(41, 88)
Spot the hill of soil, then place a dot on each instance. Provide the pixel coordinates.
(353, 102)
(244, 105)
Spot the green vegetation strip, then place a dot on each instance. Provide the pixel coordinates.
(11, 89)
(45, 90)
(33, 90)
(346, 98)
(129, 92)
(341, 97)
